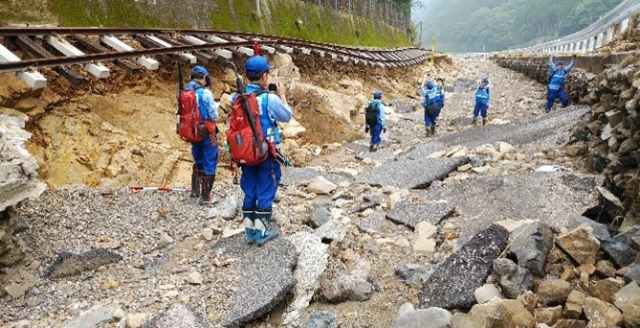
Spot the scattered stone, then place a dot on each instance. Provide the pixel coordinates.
(620, 249)
(321, 216)
(573, 311)
(371, 224)
(347, 288)
(69, 264)
(411, 214)
(548, 316)
(605, 269)
(178, 315)
(601, 313)
(230, 232)
(229, 207)
(207, 234)
(627, 300)
(332, 230)
(312, 262)
(412, 274)
(605, 289)
(513, 279)
(477, 160)
(568, 274)
(425, 318)
(633, 274)
(322, 319)
(580, 244)
(194, 278)
(94, 317)
(321, 186)
(570, 323)
(165, 240)
(450, 286)
(487, 293)
(497, 313)
(531, 247)
(529, 299)
(135, 320)
(266, 277)
(405, 308)
(553, 291)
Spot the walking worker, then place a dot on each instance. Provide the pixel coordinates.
(205, 153)
(441, 95)
(482, 101)
(556, 82)
(431, 108)
(260, 182)
(375, 120)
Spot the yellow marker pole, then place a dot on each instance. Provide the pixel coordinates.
(433, 53)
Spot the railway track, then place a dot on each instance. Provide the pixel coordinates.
(132, 49)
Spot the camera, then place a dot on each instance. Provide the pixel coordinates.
(273, 87)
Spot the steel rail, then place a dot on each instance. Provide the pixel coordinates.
(91, 58)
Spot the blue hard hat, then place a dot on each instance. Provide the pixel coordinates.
(377, 95)
(485, 80)
(257, 64)
(430, 85)
(200, 70)
(559, 63)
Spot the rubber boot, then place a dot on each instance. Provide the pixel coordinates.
(428, 134)
(375, 148)
(263, 229)
(248, 218)
(475, 121)
(196, 173)
(371, 148)
(433, 131)
(484, 121)
(205, 190)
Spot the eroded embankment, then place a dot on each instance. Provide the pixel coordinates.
(120, 131)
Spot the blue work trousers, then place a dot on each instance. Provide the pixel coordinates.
(480, 109)
(552, 95)
(260, 184)
(376, 131)
(205, 154)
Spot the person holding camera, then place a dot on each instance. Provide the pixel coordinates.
(260, 182)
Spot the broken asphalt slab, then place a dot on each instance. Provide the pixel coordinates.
(266, 277)
(452, 284)
(411, 173)
(555, 198)
(410, 214)
(293, 176)
(69, 264)
(178, 315)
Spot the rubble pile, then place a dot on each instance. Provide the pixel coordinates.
(612, 138)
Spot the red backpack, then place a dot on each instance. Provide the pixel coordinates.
(247, 144)
(191, 126)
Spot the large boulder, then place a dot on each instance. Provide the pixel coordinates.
(531, 246)
(601, 313)
(452, 284)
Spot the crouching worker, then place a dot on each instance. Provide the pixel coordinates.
(431, 108)
(556, 83)
(375, 120)
(260, 182)
(482, 100)
(204, 141)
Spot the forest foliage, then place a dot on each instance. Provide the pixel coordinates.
(491, 25)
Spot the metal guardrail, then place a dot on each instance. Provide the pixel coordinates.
(591, 38)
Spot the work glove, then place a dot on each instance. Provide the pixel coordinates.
(366, 129)
(384, 130)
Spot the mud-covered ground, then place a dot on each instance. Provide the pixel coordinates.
(167, 243)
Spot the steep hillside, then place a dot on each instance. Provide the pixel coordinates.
(290, 18)
(469, 25)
